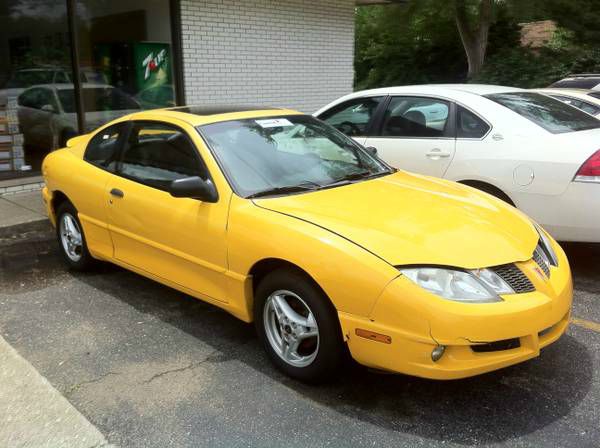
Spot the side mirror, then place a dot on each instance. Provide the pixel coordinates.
(48, 108)
(371, 150)
(195, 188)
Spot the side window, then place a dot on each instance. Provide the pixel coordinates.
(103, 148)
(157, 154)
(415, 117)
(46, 98)
(35, 98)
(469, 125)
(352, 117)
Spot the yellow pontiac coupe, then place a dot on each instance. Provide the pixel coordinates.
(280, 219)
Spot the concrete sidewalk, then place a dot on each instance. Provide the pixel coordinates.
(34, 414)
(21, 212)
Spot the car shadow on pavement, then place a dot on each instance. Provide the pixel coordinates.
(490, 408)
(584, 259)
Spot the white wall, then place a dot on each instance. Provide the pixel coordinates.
(292, 53)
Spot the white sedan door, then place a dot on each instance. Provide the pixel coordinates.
(416, 134)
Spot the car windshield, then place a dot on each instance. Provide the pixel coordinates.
(97, 99)
(280, 155)
(549, 113)
(27, 78)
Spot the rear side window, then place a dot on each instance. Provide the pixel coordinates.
(354, 117)
(157, 154)
(415, 117)
(103, 148)
(549, 113)
(469, 125)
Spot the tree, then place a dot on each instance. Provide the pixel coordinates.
(474, 32)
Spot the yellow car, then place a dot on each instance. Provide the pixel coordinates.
(283, 221)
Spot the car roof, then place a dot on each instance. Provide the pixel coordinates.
(476, 89)
(199, 115)
(69, 86)
(564, 90)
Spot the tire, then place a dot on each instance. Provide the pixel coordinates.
(491, 190)
(315, 359)
(71, 240)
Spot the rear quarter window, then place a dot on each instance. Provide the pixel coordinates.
(551, 114)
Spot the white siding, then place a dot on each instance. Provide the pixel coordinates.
(292, 53)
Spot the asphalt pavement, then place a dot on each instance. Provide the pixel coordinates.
(151, 367)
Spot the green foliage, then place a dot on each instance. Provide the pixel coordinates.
(527, 68)
(396, 46)
(419, 43)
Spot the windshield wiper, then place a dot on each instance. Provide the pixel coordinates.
(309, 186)
(360, 175)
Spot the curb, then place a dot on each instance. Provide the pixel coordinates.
(10, 232)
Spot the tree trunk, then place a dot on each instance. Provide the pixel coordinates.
(474, 37)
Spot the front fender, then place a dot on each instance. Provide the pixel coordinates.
(352, 277)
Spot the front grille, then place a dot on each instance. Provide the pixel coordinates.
(497, 346)
(540, 260)
(545, 331)
(514, 277)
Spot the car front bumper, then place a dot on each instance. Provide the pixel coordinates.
(478, 338)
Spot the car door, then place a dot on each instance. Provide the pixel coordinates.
(36, 108)
(180, 240)
(416, 134)
(354, 117)
(92, 179)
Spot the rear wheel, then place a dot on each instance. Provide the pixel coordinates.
(298, 326)
(490, 189)
(71, 239)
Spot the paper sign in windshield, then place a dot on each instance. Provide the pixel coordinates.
(274, 123)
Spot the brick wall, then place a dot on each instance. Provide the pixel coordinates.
(294, 53)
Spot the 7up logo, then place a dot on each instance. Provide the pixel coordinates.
(152, 63)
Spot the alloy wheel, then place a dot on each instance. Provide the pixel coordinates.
(70, 237)
(291, 328)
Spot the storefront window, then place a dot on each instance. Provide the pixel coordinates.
(35, 55)
(125, 57)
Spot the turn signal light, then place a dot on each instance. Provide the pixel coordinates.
(377, 337)
(590, 170)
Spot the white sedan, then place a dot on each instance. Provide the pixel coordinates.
(586, 100)
(533, 151)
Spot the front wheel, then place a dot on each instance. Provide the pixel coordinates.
(71, 239)
(298, 326)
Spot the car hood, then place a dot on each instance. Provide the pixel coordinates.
(409, 219)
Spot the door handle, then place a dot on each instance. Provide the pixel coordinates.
(436, 154)
(116, 192)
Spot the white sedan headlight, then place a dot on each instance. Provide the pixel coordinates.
(475, 286)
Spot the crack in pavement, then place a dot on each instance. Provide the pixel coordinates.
(77, 386)
(191, 366)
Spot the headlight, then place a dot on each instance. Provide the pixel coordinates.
(476, 286)
(547, 252)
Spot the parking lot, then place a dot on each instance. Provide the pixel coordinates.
(151, 367)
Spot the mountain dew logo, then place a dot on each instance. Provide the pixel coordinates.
(153, 63)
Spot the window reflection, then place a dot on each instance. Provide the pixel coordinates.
(125, 46)
(34, 49)
(125, 55)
